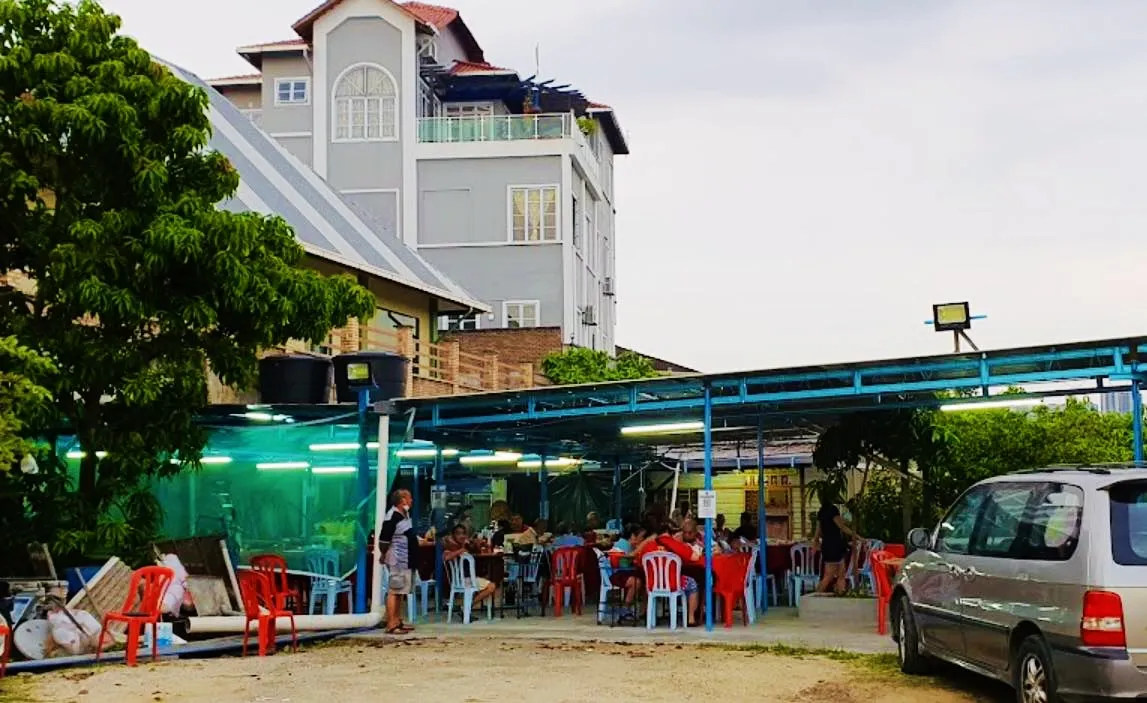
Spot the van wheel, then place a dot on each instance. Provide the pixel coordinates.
(908, 654)
(1034, 677)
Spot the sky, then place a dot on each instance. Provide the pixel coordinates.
(807, 179)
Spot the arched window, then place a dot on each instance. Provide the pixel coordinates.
(366, 105)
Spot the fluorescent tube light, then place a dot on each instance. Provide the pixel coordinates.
(495, 458)
(282, 465)
(664, 428)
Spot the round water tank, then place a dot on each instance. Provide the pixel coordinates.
(294, 379)
(387, 373)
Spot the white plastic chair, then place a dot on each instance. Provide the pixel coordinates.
(422, 588)
(804, 573)
(464, 582)
(661, 570)
(326, 585)
(411, 598)
(605, 569)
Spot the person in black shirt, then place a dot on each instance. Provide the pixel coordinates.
(831, 530)
(747, 531)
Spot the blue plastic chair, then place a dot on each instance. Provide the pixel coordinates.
(805, 573)
(863, 565)
(464, 582)
(326, 584)
(661, 570)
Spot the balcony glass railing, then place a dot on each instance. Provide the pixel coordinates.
(494, 128)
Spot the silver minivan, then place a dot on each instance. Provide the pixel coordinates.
(1036, 579)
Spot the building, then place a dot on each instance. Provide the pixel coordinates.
(410, 292)
(504, 183)
(1117, 402)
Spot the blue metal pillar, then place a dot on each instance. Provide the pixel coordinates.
(362, 493)
(1137, 420)
(708, 427)
(544, 495)
(439, 514)
(617, 492)
(762, 533)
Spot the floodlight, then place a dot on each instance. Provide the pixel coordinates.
(951, 317)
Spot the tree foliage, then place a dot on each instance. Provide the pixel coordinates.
(953, 450)
(579, 365)
(109, 204)
(22, 397)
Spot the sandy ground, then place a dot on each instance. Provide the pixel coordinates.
(473, 671)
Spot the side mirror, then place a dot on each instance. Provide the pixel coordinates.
(920, 538)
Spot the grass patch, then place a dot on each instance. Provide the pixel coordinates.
(881, 664)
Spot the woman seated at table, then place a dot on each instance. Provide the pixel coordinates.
(568, 538)
(626, 574)
(661, 542)
(454, 546)
(542, 529)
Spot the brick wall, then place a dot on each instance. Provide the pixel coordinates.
(523, 345)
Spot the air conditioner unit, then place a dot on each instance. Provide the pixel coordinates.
(588, 315)
(607, 286)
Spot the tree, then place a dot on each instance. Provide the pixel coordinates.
(109, 196)
(22, 398)
(580, 365)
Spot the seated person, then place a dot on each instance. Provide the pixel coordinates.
(688, 584)
(689, 533)
(454, 546)
(541, 528)
(498, 539)
(522, 533)
(627, 576)
(746, 532)
(568, 538)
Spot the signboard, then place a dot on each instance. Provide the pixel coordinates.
(438, 497)
(776, 479)
(707, 505)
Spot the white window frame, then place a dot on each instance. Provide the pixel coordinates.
(306, 81)
(335, 101)
(476, 318)
(521, 305)
(473, 109)
(541, 188)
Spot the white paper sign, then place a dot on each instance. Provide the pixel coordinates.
(707, 505)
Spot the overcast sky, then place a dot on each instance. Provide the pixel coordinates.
(807, 178)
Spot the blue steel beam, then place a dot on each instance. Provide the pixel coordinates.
(758, 388)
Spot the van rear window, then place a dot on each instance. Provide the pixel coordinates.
(1129, 523)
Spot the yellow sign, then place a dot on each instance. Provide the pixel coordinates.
(775, 479)
(358, 372)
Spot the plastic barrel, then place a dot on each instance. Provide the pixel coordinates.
(387, 370)
(294, 380)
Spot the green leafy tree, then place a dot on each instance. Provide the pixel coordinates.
(22, 398)
(580, 365)
(109, 196)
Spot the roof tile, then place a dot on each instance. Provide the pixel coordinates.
(434, 15)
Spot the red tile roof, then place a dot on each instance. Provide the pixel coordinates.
(434, 15)
(305, 25)
(461, 68)
(228, 79)
(598, 106)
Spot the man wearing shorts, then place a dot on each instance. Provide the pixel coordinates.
(831, 531)
(398, 545)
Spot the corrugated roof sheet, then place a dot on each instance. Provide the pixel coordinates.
(272, 181)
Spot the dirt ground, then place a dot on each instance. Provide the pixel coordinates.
(473, 671)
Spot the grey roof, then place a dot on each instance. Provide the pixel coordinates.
(273, 181)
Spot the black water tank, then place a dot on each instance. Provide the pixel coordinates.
(387, 371)
(294, 379)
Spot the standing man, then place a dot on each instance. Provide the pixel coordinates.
(398, 546)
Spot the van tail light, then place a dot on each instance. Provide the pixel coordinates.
(1102, 623)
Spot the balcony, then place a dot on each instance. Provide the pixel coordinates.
(495, 128)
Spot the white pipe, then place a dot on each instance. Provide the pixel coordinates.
(234, 623)
(380, 502)
(676, 480)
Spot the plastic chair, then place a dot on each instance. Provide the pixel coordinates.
(733, 586)
(860, 568)
(805, 572)
(328, 586)
(564, 574)
(751, 578)
(605, 569)
(883, 590)
(5, 647)
(411, 598)
(422, 588)
(266, 597)
(141, 607)
(663, 579)
(275, 567)
(464, 582)
(249, 591)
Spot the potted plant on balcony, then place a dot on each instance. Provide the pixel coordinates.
(587, 125)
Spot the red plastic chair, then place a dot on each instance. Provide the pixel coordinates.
(564, 568)
(275, 568)
(5, 648)
(258, 597)
(883, 581)
(729, 572)
(143, 606)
